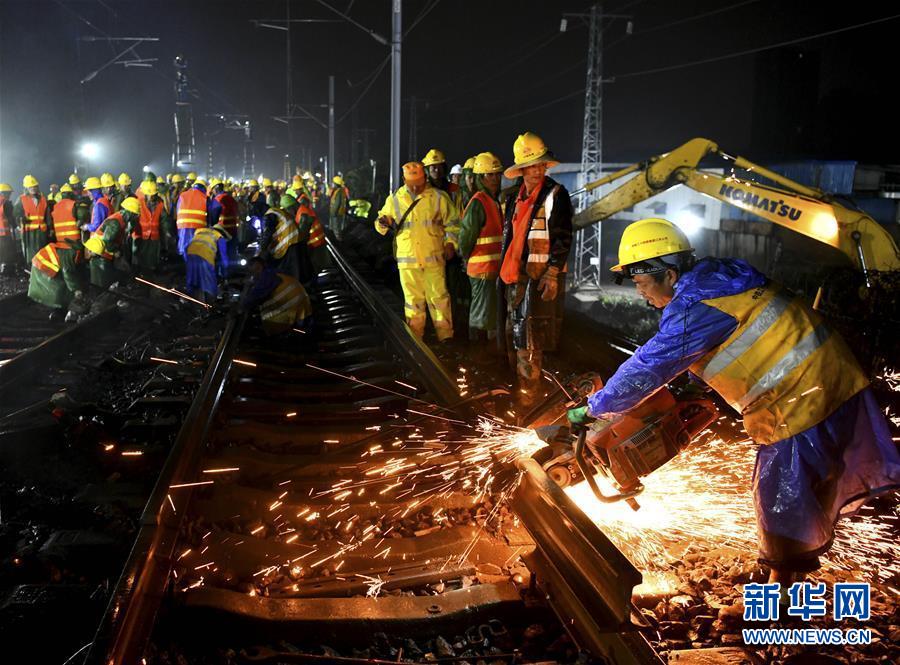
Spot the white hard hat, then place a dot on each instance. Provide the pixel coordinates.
(457, 169)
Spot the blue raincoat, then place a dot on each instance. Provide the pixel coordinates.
(186, 235)
(801, 484)
(100, 211)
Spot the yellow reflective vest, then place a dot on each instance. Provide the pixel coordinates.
(288, 304)
(285, 235)
(205, 244)
(782, 368)
(420, 238)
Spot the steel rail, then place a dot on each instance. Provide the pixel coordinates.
(585, 578)
(39, 357)
(414, 353)
(128, 621)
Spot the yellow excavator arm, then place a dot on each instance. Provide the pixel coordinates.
(803, 209)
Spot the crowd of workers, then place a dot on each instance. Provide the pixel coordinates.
(489, 264)
(85, 236)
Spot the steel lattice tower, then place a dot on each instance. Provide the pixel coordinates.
(587, 246)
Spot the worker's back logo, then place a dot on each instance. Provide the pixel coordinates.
(772, 206)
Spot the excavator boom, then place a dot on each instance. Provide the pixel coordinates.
(797, 207)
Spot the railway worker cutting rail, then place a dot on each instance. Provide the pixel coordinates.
(825, 446)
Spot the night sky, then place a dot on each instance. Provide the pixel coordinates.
(478, 69)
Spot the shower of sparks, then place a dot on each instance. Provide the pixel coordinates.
(375, 584)
(164, 360)
(703, 499)
(174, 292)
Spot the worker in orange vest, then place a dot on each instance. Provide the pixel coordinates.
(191, 214)
(9, 254)
(145, 237)
(480, 235)
(57, 277)
(69, 214)
(311, 234)
(32, 213)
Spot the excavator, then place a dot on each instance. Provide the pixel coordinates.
(865, 307)
(864, 302)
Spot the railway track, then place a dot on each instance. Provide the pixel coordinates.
(330, 499)
(87, 417)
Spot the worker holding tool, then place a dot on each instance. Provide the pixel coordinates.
(824, 444)
(537, 235)
(282, 301)
(204, 255)
(57, 277)
(417, 214)
(106, 243)
(279, 238)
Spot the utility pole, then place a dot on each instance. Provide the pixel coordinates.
(183, 154)
(396, 39)
(331, 167)
(413, 148)
(289, 92)
(588, 244)
(588, 252)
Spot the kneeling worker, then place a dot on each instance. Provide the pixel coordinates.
(825, 445)
(58, 276)
(282, 301)
(106, 243)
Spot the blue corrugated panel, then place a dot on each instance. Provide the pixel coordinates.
(883, 211)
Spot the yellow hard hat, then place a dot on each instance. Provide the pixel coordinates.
(470, 162)
(485, 162)
(199, 181)
(191, 176)
(4, 187)
(124, 179)
(650, 239)
(95, 245)
(267, 182)
(176, 178)
(65, 188)
(528, 150)
(160, 180)
(149, 188)
(74, 179)
(107, 180)
(252, 183)
(131, 204)
(29, 181)
(338, 180)
(92, 183)
(213, 182)
(434, 156)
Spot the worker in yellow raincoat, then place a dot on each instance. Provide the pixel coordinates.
(422, 219)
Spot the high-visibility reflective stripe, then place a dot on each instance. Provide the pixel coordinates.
(57, 224)
(49, 258)
(538, 258)
(34, 227)
(484, 258)
(413, 259)
(539, 234)
(789, 362)
(191, 211)
(190, 224)
(766, 319)
(35, 217)
(488, 239)
(270, 313)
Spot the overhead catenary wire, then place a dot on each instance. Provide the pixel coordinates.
(683, 65)
(362, 94)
